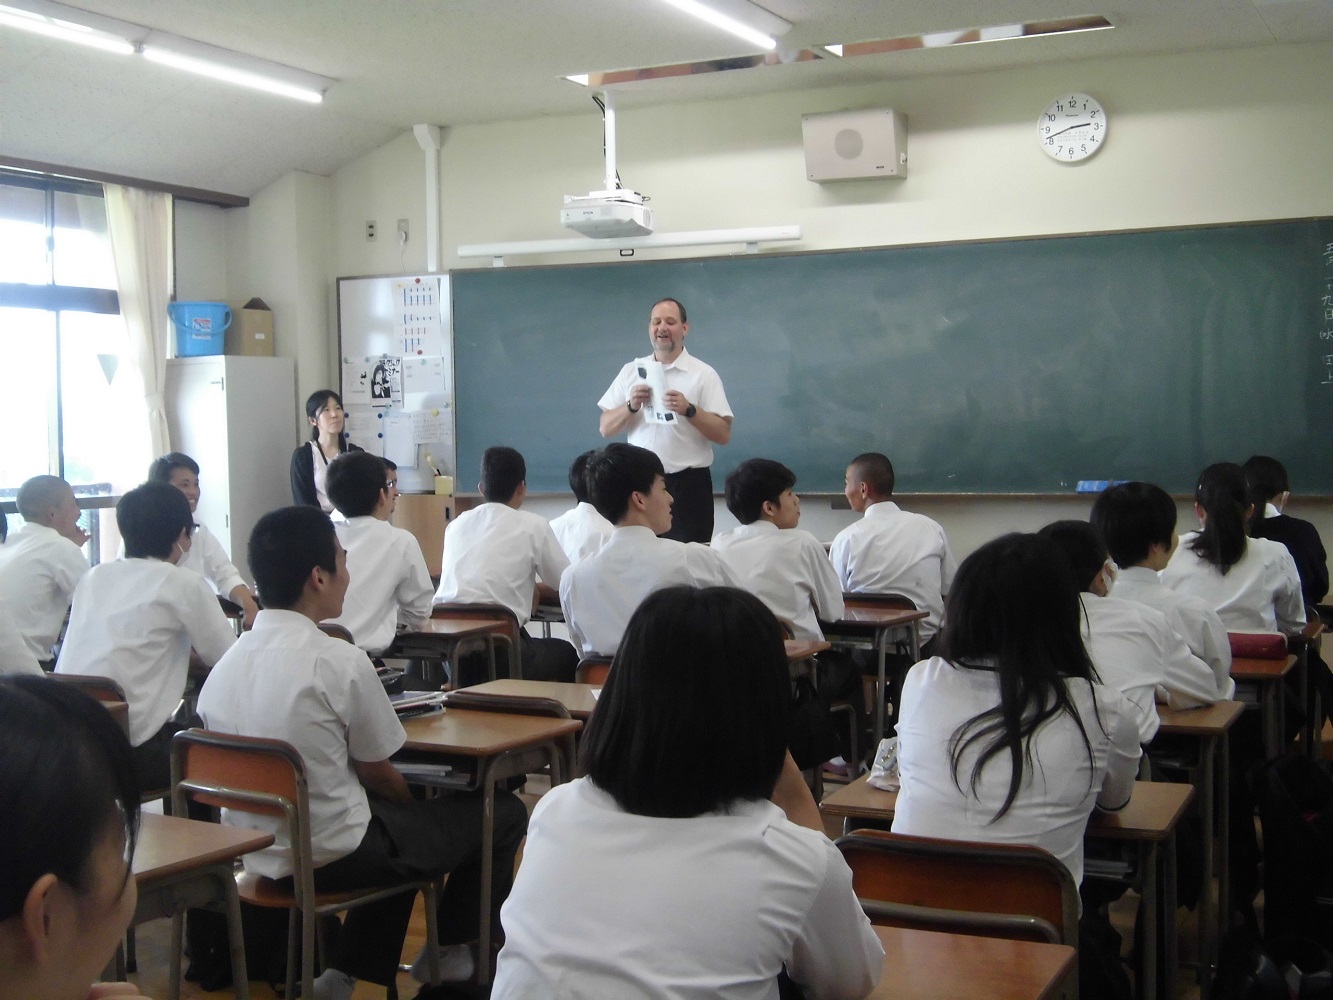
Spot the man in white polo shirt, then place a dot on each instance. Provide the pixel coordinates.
(681, 427)
(42, 562)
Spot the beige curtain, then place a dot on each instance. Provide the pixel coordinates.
(140, 226)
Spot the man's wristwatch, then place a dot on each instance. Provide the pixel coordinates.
(690, 411)
(630, 408)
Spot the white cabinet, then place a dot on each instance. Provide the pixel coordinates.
(236, 417)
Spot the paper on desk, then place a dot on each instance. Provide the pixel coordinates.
(399, 445)
(363, 430)
(654, 376)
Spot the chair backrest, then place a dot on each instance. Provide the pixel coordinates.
(246, 774)
(593, 670)
(466, 610)
(995, 890)
(474, 701)
(101, 688)
(337, 631)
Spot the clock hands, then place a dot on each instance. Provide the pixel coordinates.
(1066, 129)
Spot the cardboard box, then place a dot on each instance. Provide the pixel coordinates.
(251, 330)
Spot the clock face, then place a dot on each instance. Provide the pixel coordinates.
(1072, 127)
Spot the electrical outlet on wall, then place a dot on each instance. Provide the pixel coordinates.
(370, 231)
(402, 230)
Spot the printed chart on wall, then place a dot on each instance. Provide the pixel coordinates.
(398, 372)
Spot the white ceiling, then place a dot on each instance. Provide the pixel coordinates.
(449, 62)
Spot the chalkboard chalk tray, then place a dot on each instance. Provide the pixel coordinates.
(1014, 366)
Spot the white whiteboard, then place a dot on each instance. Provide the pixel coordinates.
(396, 371)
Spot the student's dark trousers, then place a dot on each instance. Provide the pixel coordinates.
(543, 660)
(419, 840)
(692, 505)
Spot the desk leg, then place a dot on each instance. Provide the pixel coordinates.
(1272, 716)
(881, 690)
(1148, 911)
(1223, 835)
(1207, 787)
(240, 977)
(487, 866)
(1170, 910)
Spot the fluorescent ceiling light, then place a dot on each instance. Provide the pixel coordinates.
(736, 25)
(967, 36)
(65, 31)
(57, 20)
(216, 70)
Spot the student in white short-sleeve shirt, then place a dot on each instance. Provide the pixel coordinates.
(287, 680)
(136, 619)
(890, 550)
(1138, 522)
(42, 561)
(1251, 583)
(600, 594)
(390, 583)
(660, 875)
(206, 556)
(499, 554)
(581, 531)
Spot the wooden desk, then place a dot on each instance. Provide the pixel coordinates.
(1209, 727)
(482, 748)
(1267, 677)
(181, 863)
(438, 639)
(1149, 822)
(928, 965)
(579, 699)
(868, 626)
(803, 649)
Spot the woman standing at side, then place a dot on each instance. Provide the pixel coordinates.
(310, 462)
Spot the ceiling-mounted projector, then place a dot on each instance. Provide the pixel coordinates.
(607, 214)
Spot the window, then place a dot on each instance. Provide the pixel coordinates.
(73, 401)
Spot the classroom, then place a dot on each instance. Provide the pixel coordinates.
(1220, 119)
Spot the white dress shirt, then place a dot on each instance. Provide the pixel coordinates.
(894, 551)
(15, 656)
(1060, 785)
(390, 583)
(1137, 652)
(1198, 624)
(788, 570)
(678, 444)
(581, 532)
(494, 554)
(134, 620)
(1261, 593)
(609, 905)
(209, 559)
(39, 569)
(600, 594)
(287, 680)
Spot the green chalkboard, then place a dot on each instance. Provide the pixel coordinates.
(1018, 366)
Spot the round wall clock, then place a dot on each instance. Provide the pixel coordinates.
(1072, 127)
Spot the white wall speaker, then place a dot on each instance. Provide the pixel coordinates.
(840, 145)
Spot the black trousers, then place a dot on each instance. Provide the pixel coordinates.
(412, 840)
(543, 660)
(692, 507)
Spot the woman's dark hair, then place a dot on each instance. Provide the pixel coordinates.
(1266, 478)
(578, 476)
(1223, 493)
(753, 483)
(1014, 607)
(1133, 517)
(66, 778)
(1081, 545)
(285, 545)
(151, 518)
(316, 401)
(693, 715)
(162, 468)
(354, 482)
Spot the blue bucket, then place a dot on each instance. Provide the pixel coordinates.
(200, 327)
